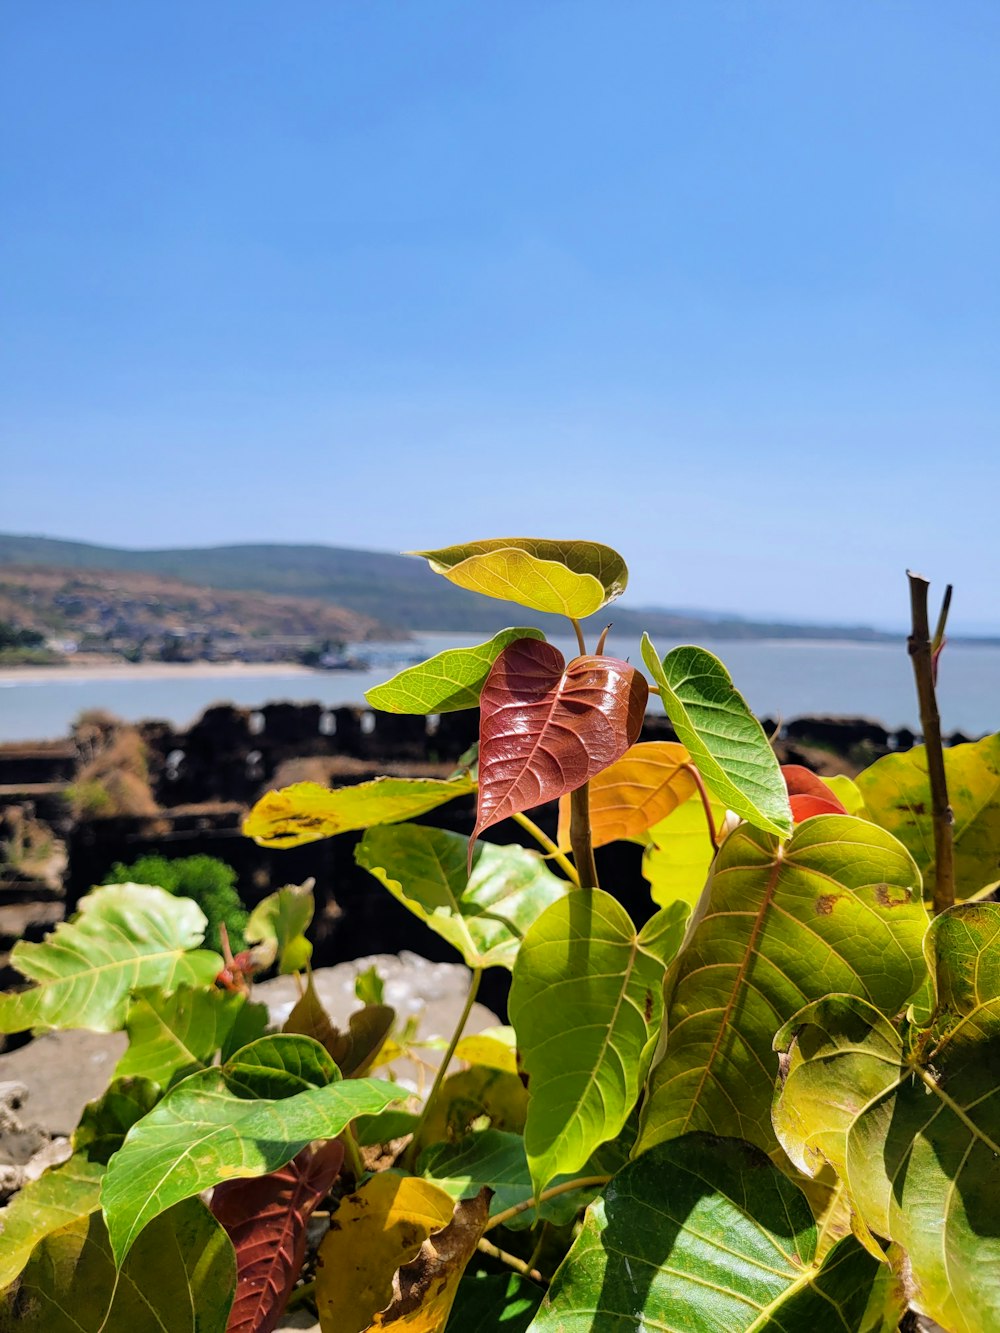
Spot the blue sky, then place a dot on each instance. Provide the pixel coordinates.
(717, 283)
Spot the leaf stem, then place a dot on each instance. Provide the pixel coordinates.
(543, 840)
(553, 1192)
(307, 1292)
(439, 1077)
(578, 628)
(512, 1261)
(706, 804)
(921, 652)
(352, 1155)
(580, 836)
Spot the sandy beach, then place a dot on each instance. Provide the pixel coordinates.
(121, 671)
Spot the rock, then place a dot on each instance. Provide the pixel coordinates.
(63, 1071)
(26, 1150)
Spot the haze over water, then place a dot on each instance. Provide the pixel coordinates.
(780, 679)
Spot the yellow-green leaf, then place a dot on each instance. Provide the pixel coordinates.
(572, 578)
(306, 812)
(679, 852)
(277, 927)
(447, 682)
(640, 789)
(496, 1048)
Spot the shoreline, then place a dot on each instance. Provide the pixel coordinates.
(80, 672)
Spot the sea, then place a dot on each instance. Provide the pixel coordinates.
(781, 679)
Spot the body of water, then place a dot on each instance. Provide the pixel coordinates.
(780, 678)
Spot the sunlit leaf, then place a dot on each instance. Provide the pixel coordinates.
(679, 852)
(179, 1278)
(124, 936)
(175, 1033)
(837, 908)
(848, 793)
(494, 1047)
(476, 1097)
(277, 927)
(808, 795)
(564, 578)
(547, 728)
(447, 682)
(913, 1127)
(639, 790)
(266, 1221)
(486, 1303)
(586, 1004)
(705, 1234)
(897, 794)
(726, 742)
(306, 812)
(244, 1118)
(373, 1233)
(483, 916)
(353, 1050)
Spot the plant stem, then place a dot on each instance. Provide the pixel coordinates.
(543, 840)
(921, 652)
(579, 836)
(583, 1183)
(512, 1261)
(352, 1155)
(439, 1077)
(706, 804)
(307, 1292)
(578, 628)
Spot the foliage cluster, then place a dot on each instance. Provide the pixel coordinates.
(206, 880)
(773, 1106)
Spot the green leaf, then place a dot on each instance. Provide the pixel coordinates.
(706, 1234)
(679, 854)
(244, 1118)
(572, 579)
(447, 682)
(727, 743)
(124, 936)
(586, 1003)
(278, 926)
(494, 1304)
(837, 908)
(913, 1127)
(180, 1278)
(369, 986)
(484, 917)
(71, 1191)
(306, 812)
(897, 795)
(173, 1034)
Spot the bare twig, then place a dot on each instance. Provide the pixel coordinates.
(922, 652)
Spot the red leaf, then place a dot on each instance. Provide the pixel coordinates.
(802, 781)
(266, 1221)
(546, 728)
(804, 807)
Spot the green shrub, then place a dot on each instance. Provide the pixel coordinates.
(206, 880)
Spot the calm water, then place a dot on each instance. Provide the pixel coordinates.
(780, 678)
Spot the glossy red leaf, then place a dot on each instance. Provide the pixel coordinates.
(805, 806)
(802, 781)
(546, 727)
(266, 1220)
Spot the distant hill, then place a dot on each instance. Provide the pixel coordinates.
(398, 591)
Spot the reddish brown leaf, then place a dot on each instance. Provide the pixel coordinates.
(802, 781)
(804, 807)
(547, 728)
(266, 1221)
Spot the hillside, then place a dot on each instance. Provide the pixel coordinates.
(139, 614)
(396, 590)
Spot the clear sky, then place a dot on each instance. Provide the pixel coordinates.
(718, 283)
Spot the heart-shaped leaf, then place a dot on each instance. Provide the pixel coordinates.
(547, 728)
(680, 851)
(483, 915)
(706, 1234)
(277, 928)
(726, 741)
(913, 1127)
(306, 812)
(179, 1278)
(897, 795)
(586, 1003)
(266, 1221)
(175, 1033)
(244, 1118)
(837, 908)
(639, 790)
(572, 579)
(447, 682)
(124, 936)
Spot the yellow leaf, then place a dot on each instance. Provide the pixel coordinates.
(646, 785)
(493, 1047)
(306, 812)
(373, 1233)
(680, 852)
(848, 793)
(473, 1095)
(570, 578)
